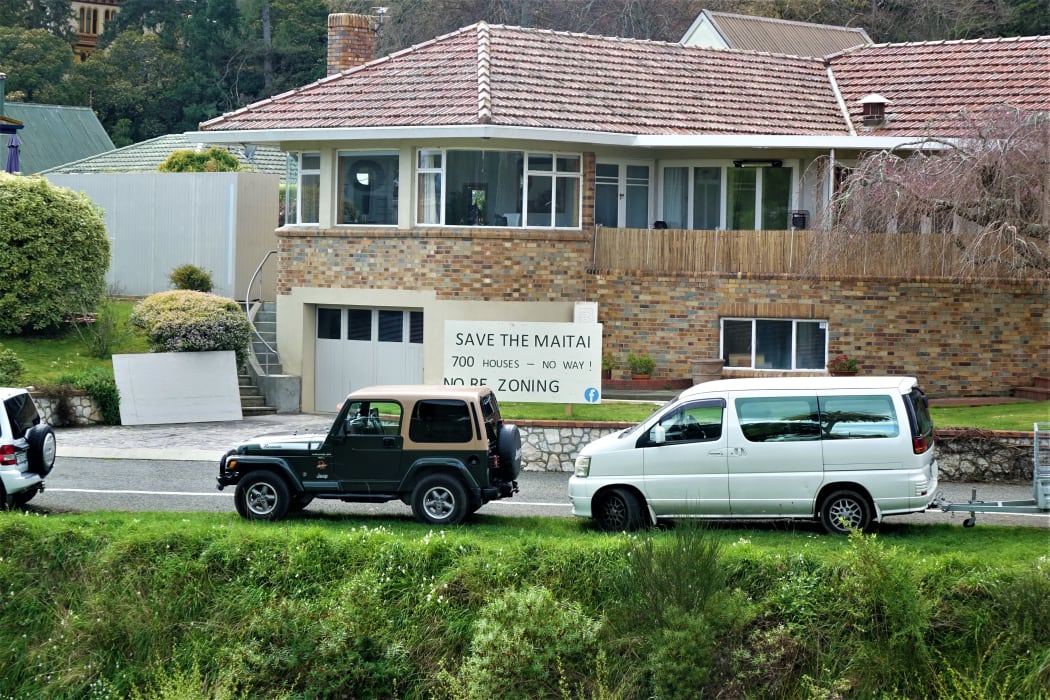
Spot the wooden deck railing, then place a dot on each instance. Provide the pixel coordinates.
(792, 252)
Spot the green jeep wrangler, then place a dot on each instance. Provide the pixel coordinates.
(443, 450)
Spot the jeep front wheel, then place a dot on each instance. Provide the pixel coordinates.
(439, 500)
(262, 496)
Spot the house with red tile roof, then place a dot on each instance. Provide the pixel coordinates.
(503, 174)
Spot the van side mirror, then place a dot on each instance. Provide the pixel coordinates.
(658, 435)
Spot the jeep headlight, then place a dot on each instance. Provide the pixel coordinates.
(583, 466)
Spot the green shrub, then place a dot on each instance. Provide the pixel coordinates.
(190, 277)
(98, 384)
(54, 253)
(213, 160)
(521, 641)
(12, 369)
(107, 331)
(187, 321)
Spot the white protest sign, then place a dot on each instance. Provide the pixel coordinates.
(522, 361)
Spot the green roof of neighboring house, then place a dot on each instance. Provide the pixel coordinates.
(56, 134)
(146, 156)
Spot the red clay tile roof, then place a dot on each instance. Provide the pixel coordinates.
(536, 78)
(927, 83)
(516, 77)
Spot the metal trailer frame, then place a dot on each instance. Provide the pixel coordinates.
(1040, 502)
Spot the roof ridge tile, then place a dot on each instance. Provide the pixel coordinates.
(484, 73)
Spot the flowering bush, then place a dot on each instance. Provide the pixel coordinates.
(842, 363)
(189, 321)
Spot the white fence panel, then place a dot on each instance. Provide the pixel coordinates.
(221, 222)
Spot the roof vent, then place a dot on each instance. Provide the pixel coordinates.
(874, 107)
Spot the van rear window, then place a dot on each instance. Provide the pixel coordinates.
(853, 417)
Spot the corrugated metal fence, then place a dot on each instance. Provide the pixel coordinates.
(221, 222)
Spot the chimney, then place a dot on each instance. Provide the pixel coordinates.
(351, 41)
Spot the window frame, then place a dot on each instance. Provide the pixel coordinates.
(725, 167)
(525, 174)
(795, 322)
(391, 178)
(303, 171)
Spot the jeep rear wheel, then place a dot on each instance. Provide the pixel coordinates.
(439, 500)
(262, 496)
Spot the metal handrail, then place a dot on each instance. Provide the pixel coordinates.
(251, 322)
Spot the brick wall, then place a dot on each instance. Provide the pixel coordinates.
(959, 339)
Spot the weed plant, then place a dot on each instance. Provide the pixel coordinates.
(111, 605)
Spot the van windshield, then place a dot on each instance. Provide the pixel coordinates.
(635, 429)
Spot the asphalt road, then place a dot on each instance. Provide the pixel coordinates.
(134, 485)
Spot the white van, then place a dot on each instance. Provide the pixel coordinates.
(846, 450)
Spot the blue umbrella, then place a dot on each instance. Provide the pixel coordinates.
(13, 160)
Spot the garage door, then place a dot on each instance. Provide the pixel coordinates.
(358, 347)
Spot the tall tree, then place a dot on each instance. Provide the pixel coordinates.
(986, 193)
(33, 59)
(54, 16)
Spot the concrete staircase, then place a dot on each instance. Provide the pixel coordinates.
(253, 403)
(266, 325)
(1039, 391)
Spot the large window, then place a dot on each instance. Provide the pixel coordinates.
(709, 197)
(498, 188)
(368, 188)
(776, 344)
(303, 204)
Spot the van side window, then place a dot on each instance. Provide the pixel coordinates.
(852, 417)
(779, 418)
(694, 422)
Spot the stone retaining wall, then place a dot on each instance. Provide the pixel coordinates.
(963, 455)
(83, 407)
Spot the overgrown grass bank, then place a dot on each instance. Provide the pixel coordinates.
(188, 606)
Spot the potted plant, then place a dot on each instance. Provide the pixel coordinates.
(641, 366)
(608, 365)
(842, 366)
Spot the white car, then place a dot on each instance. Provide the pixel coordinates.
(27, 448)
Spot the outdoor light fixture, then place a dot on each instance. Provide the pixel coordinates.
(758, 163)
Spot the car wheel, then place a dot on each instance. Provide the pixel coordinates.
(509, 450)
(618, 510)
(844, 511)
(262, 496)
(439, 500)
(23, 497)
(41, 439)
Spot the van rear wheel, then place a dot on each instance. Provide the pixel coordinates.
(618, 510)
(844, 511)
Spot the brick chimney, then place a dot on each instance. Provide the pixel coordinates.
(351, 41)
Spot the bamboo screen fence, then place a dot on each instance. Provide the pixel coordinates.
(807, 253)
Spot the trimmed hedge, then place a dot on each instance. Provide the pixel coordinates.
(53, 251)
(184, 320)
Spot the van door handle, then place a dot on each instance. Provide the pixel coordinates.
(717, 453)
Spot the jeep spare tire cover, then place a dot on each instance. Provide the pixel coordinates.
(41, 439)
(509, 451)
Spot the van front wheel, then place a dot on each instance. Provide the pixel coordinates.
(844, 511)
(618, 510)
